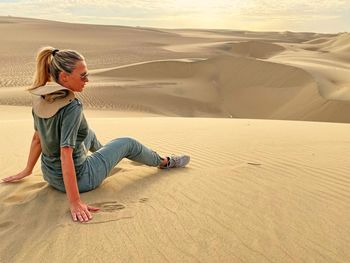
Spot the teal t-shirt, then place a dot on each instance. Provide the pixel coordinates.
(68, 127)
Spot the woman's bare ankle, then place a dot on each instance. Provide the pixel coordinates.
(165, 161)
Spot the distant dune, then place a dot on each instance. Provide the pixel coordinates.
(221, 86)
(340, 43)
(337, 44)
(206, 73)
(256, 49)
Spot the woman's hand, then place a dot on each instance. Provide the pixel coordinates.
(81, 211)
(17, 177)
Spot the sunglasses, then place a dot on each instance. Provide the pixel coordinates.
(84, 76)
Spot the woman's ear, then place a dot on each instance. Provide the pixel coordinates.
(63, 76)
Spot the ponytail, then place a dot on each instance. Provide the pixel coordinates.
(42, 72)
(50, 62)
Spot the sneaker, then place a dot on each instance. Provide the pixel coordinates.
(176, 161)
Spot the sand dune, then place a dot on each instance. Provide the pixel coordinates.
(208, 81)
(335, 44)
(222, 77)
(286, 36)
(221, 86)
(329, 68)
(255, 190)
(251, 48)
(203, 73)
(317, 41)
(340, 43)
(217, 87)
(256, 49)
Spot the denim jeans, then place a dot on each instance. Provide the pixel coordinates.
(99, 164)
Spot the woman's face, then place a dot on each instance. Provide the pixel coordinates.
(76, 80)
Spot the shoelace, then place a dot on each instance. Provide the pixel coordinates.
(169, 162)
(167, 166)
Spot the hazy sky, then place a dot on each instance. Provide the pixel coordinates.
(262, 15)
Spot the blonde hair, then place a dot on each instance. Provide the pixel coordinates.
(50, 62)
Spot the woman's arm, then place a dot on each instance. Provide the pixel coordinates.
(34, 153)
(78, 209)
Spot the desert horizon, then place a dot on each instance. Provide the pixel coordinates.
(263, 115)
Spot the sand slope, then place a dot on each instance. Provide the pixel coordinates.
(256, 49)
(256, 191)
(206, 85)
(340, 43)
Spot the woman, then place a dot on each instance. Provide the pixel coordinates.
(63, 138)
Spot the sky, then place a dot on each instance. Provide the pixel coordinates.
(324, 16)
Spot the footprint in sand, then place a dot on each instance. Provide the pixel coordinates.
(123, 211)
(143, 200)
(111, 206)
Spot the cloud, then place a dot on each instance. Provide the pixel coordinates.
(295, 7)
(152, 6)
(236, 14)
